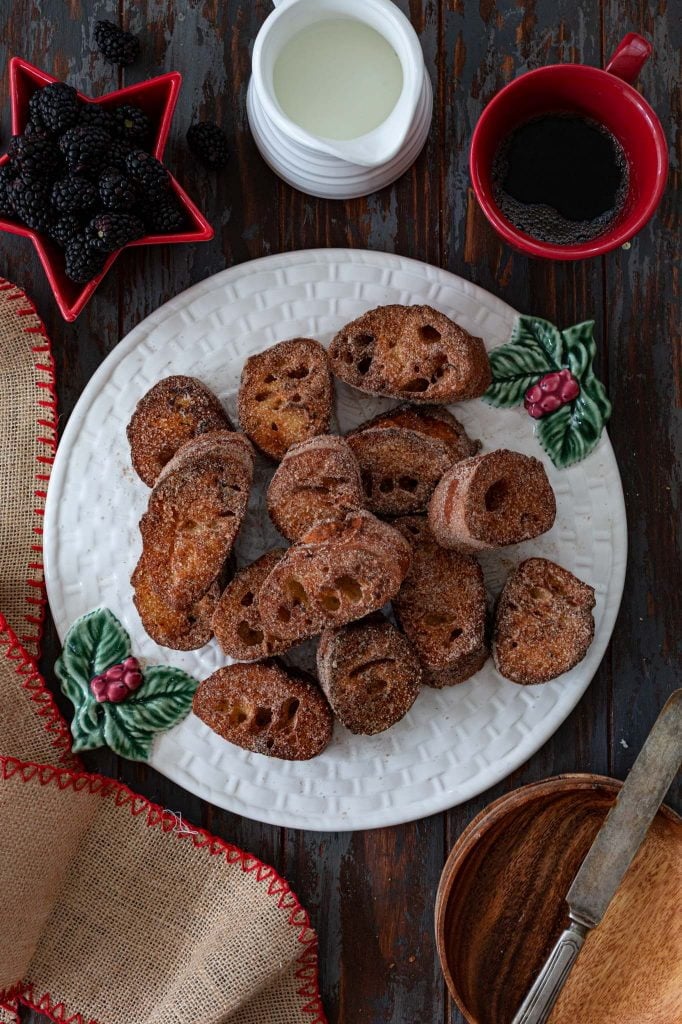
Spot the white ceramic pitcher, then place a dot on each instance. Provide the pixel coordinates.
(328, 167)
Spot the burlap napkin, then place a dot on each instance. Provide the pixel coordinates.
(111, 910)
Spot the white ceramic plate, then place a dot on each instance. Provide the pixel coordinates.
(454, 743)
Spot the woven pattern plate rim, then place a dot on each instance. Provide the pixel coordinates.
(453, 744)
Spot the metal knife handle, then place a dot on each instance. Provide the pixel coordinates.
(537, 1006)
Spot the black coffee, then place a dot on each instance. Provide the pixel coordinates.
(561, 178)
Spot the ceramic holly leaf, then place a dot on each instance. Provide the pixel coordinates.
(94, 642)
(122, 735)
(87, 727)
(164, 697)
(573, 431)
(535, 348)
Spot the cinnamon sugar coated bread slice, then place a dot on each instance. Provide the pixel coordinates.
(285, 395)
(340, 571)
(266, 708)
(399, 468)
(184, 630)
(174, 411)
(441, 607)
(236, 621)
(433, 421)
(193, 516)
(543, 622)
(492, 500)
(317, 480)
(410, 352)
(369, 673)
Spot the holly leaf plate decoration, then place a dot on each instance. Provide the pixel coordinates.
(117, 703)
(552, 373)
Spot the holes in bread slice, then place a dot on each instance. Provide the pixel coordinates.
(248, 635)
(429, 333)
(247, 599)
(298, 372)
(364, 365)
(349, 588)
(496, 496)
(262, 718)
(330, 601)
(416, 385)
(238, 714)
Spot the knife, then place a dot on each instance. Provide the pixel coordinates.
(610, 855)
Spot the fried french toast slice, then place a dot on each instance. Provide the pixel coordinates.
(543, 622)
(370, 674)
(441, 607)
(492, 500)
(410, 352)
(316, 481)
(433, 421)
(338, 572)
(236, 621)
(180, 630)
(399, 468)
(285, 395)
(171, 413)
(267, 708)
(194, 513)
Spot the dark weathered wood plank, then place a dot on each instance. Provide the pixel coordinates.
(642, 292)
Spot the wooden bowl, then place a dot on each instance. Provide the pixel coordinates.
(501, 906)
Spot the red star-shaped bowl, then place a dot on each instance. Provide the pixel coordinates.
(157, 97)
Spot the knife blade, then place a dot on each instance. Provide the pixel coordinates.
(610, 855)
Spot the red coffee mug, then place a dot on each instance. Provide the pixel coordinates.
(607, 97)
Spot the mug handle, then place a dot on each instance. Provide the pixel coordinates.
(630, 56)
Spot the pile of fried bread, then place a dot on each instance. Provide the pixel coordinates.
(394, 511)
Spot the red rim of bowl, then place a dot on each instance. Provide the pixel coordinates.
(598, 246)
(202, 231)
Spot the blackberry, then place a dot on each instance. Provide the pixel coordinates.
(34, 128)
(132, 125)
(34, 111)
(58, 106)
(81, 262)
(6, 200)
(31, 198)
(34, 156)
(150, 176)
(93, 115)
(115, 45)
(108, 232)
(85, 149)
(116, 190)
(65, 229)
(165, 217)
(209, 143)
(74, 194)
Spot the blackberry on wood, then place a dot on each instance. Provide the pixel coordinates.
(108, 232)
(132, 125)
(165, 217)
(209, 143)
(34, 156)
(150, 176)
(85, 149)
(116, 45)
(82, 263)
(31, 198)
(58, 107)
(74, 194)
(65, 229)
(116, 190)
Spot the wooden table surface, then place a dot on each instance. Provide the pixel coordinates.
(371, 894)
